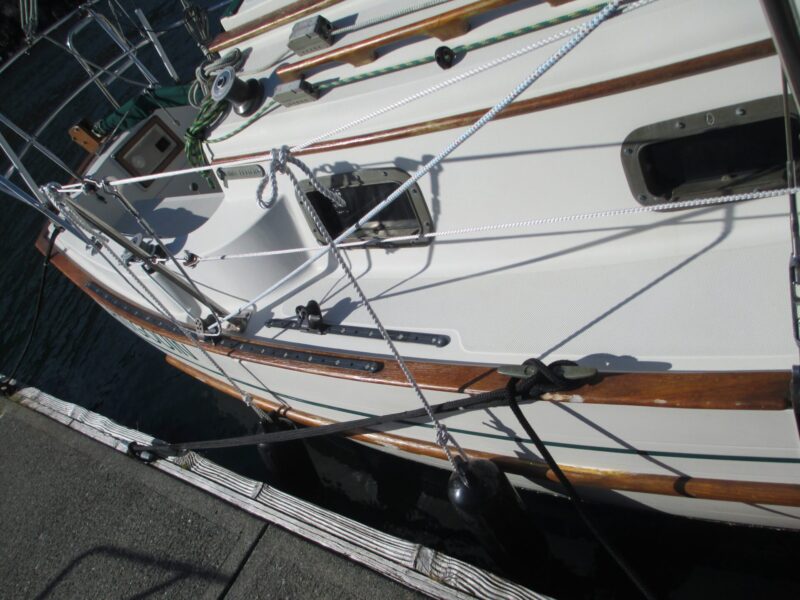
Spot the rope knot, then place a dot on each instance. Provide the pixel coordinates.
(278, 164)
(279, 158)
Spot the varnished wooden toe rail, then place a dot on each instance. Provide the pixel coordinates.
(745, 390)
(288, 14)
(753, 492)
(444, 27)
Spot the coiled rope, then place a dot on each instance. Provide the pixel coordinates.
(206, 72)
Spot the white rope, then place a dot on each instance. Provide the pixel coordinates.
(72, 187)
(147, 228)
(585, 30)
(280, 162)
(389, 16)
(77, 221)
(381, 111)
(628, 211)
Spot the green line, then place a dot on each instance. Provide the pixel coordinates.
(210, 110)
(505, 438)
(464, 48)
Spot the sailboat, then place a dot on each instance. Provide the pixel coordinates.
(375, 209)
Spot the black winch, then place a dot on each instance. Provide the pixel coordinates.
(244, 96)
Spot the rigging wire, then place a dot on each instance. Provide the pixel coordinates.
(279, 164)
(268, 107)
(29, 18)
(126, 205)
(111, 74)
(627, 211)
(77, 221)
(585, 30)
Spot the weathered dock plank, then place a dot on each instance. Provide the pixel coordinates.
(78, 518)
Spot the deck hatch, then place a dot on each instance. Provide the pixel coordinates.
(362, 190)
(735, 149)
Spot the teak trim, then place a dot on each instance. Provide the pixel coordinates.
(273, 20)
(749, 390)
(445, 26)
(287, 14)
(618, 85)
(752, 492)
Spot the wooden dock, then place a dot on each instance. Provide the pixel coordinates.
(81, 519)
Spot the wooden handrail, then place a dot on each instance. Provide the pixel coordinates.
(277, 18)
(444, 27)
(600, 89)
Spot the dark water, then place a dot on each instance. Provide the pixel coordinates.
(82, 355)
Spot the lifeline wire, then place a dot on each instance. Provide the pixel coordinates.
(265, 157)
(279, 164)
(586, 29)
(151, 232)
(633, 210)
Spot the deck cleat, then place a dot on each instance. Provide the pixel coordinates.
(310, 35)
